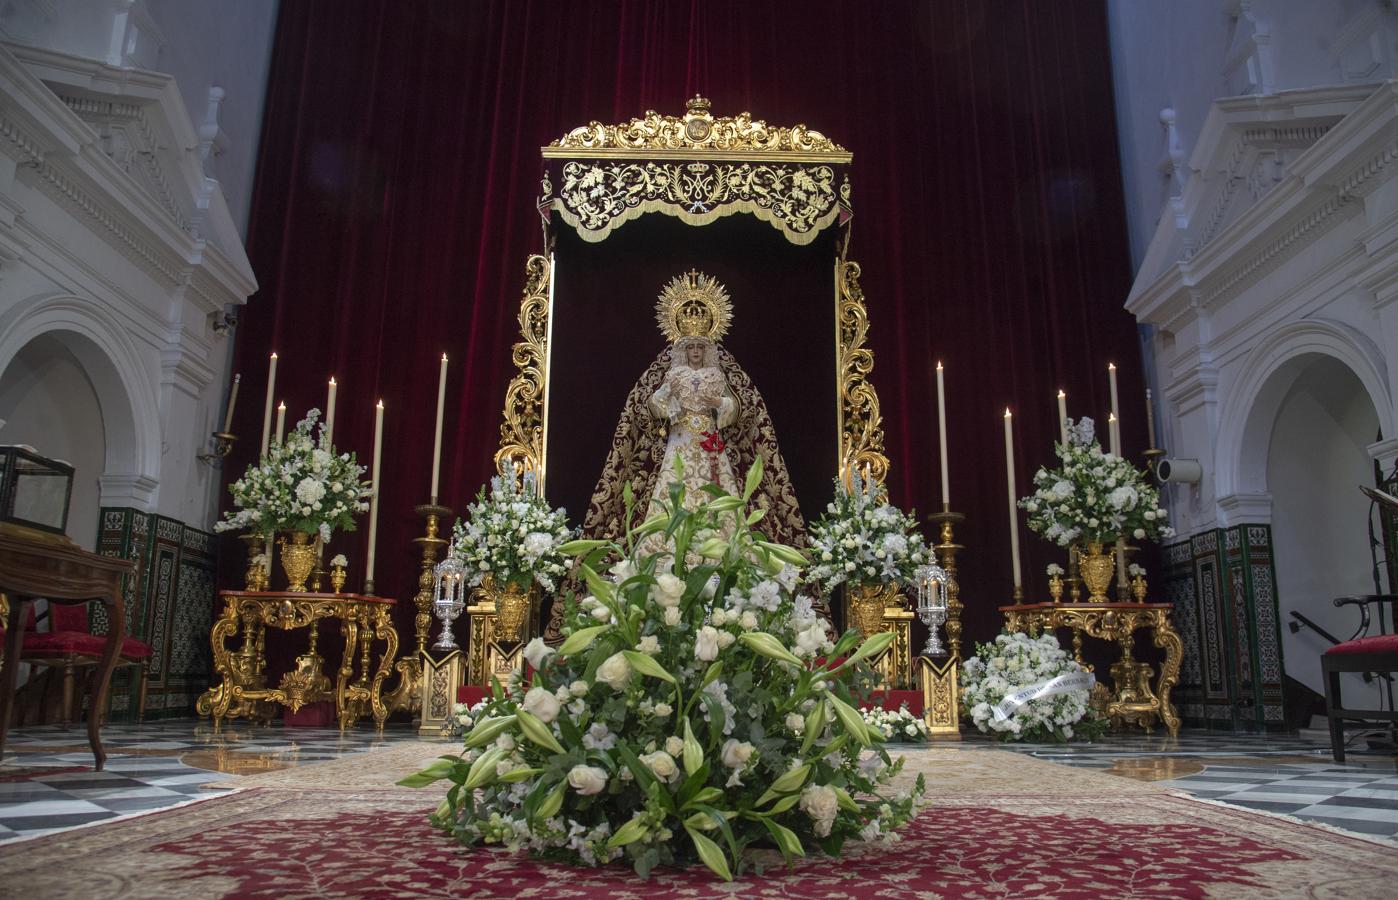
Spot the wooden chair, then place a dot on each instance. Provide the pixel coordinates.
(69, 645)
(1362, 653)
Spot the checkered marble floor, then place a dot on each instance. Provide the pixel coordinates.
(162, 764)
(1291, 775)
(149, 767)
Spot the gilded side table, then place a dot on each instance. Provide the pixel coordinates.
(242, 691)
(1134, 700)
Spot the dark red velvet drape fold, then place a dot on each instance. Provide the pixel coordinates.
(394, 210)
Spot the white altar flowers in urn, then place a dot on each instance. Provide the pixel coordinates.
(681, 719)
(1014, 662)
(512, 535)
(300, 484)
(862, 539)
(1094, 496)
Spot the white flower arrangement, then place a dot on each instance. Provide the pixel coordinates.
(1053, 569)
(339, 560)
(300, 484)
(896, 725)
(691, 711)
(1093, 496)
(512, 535)
(862, 539)
(1013, 661)
(1135, 570)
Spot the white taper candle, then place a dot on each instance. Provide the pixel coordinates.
(1062, 418)
(942, 433)
(1113, 434)
(330, 414)
(281, 420)
(437, 441)
(267, 409)
(1150, 420)
(374, 498)
(232, 401)
(1111, 382)
(1014, 510)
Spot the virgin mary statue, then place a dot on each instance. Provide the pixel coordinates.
(695, 404)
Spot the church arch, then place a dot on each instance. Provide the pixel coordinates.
(126, 395)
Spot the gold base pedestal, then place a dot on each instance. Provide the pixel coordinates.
(440, 679)
(941, 697)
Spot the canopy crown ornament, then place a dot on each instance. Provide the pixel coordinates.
(694, 305)
(698, 129)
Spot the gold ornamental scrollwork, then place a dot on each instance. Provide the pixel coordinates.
(861, 422)
(522, 431)
(598, 197)
(697, 130)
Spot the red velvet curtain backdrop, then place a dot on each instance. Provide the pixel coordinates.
(399, 167)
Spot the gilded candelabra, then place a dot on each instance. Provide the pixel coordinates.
(407, 695)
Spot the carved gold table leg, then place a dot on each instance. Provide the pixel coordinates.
(1077, 646)
(384, 631)
(350, 629)
(1168, 639)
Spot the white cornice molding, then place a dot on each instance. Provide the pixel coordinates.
(47, 136)
(1322, 187)
(1245, 508)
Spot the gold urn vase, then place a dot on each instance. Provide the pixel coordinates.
(513, 605)
(1096, 569)
(298, 559)
(864, 607)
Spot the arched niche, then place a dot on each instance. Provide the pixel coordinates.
(122, 382)
(1293, 448)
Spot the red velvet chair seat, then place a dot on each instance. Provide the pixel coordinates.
(1378, 643)
(62, 642)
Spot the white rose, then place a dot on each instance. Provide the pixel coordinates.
(672, 616)
(725, 640)
(736, 753)
(668, 590)
(1139, 534)
(542, 703)
(674, 746)
(587, 780)
(662, 764)
(795, 723)
(601, 613)
(719, 617)
(649, 645)
(615, 672)
(748, 621)
(821, 804)
(706, 644)
(536, 651)
(578, 688)
(663, 710)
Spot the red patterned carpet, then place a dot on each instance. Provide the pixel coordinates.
(283, 843)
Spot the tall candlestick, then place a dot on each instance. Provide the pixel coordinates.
(233, 401)
(330, 414)
(267, 409)
(942, 431)
(1111, 381)
(374, 498)
(1062, 418)
(1150, 420)
(281, 420)
(1113, 434)
(437, 441)
(1014, 510)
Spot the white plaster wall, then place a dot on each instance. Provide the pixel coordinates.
(217, 43)
(48, 402)
(1157, 49)
(1315, 461)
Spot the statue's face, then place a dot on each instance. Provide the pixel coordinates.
(694, 353)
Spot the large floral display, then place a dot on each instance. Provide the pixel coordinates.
(691, 712)
(1023, 688)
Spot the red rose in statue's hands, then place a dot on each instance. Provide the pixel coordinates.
(712, 442)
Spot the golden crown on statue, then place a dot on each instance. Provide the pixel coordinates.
(694, 305)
